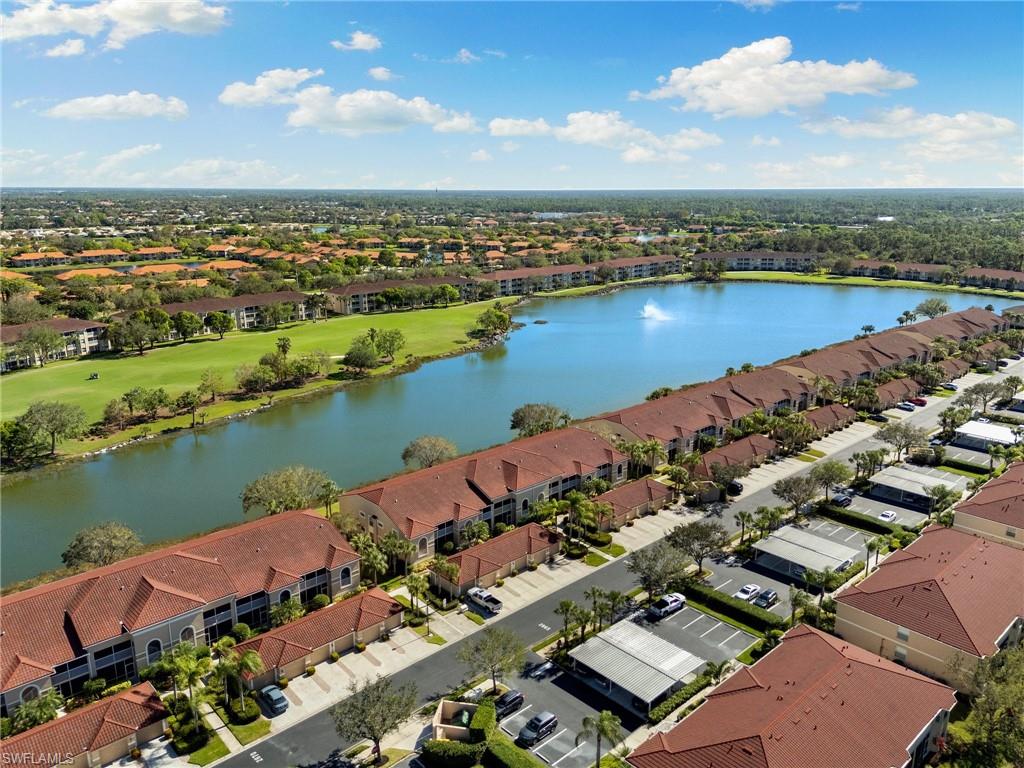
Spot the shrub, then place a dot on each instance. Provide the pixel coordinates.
(179, 706)
(532, 566)
(741, 610)
(136, 753)
(310, 670)
(499, 582)
(93, 689)
(244, 712)
(116, 688)
(360, 647)
(599, 538)
(673, 702)
(629, 523)
(335, 655)
(320, 601)
(441, 753)
(5, 727)
(241, 632)
(190, 736)
(416, 621)
(502, 753)
(484, 721)
(282, 683)
(575, 550)
(837, 579)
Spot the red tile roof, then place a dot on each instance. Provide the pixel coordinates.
(355, 289)
(561, 269)
(1000, 499)
(11, 333)
(113, 252)
(995, 274)
(221, 304)
(956, 588)
(744, 452)
(494, 554)
(88, 729)
(157, 249)
(829, 415)
(297, 639)
(93, 272)
(50, 624)
(814, 700)
(629, 496)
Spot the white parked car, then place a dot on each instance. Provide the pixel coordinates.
(667, 604)
(888, 516)
(747, 592)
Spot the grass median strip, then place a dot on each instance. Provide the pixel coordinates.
(690, 602)
(214, 749)
(594, 559)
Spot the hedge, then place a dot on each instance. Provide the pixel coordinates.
(841, 577)
(599, 538)
(484, 720)
(858, 520)
(502, 753)
(246, 713)
(965, 466)
(741, 610)
(442, 753)
(677, 699)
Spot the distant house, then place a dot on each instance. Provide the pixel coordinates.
(100, 256)
(159, 252)
(993, 278)
(39, 259)
(896, 391)
(631, 500)
(949, 596)
(227, 265)
(483, 564)
(996, 512)
(516, 282)
(159, 269)
(932, 273)
(748, 451)
(903, 485)
(81, 337)
(95, 272)
(814, 700)
(829, 418)
(97, 734)
(768, 261)
(357, 298)
(244, 310)
(980, 435)
(219, 250)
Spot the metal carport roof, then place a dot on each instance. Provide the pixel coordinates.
(800, 547)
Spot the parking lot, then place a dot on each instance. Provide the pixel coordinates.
(729, 578)
(701, 634)
(980, 459)
(908, 518)
(570, 699)
(841, 533)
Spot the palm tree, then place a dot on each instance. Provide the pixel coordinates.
(405, 551)
(943, 497)
(417, 584)
(614, 601)
(594, 595)
(373, 560)
(798, 601)
(389, 545)
(871, 545)
(566, 610)
(995, 452)
(743, 518)
(329, 493)
(636, 451)
(581, 513)
(654, 452)
(680, 477)
(604, 727)
(447, 570)
(582, 617)
(688, 460)
(189, 670)
(717, 671)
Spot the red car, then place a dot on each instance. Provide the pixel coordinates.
(918, 401)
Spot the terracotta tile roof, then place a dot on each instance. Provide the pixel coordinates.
(629, 496)
(1000, 499)
(897, 390)
(52, 623)
(227, 265)
(417, 502)
(829, 415)
(90, 728)
(8, 274)
(949, 585)
(492, 555)
(112, 252)
(744, 451)
(812, 701)
(221, 304)
(39, 255)
(356, 289)
(296, 639)
(157, 250)
(160, 269)
(996, 274)
(561, 269)
(11, 333)
(219, 248)
(94, 272)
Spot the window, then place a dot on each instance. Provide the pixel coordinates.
(902, 634)
(900, 655)
(345, 577)
(154, 650)
(423, 547)
(618, 470)
(285, 597)
(252, 610)
(116, 663)
(29, 693)
(188, 635)
(1011, 533)
(313, 584)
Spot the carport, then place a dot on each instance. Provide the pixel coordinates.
(631, 665)
(792, 551)
(910, 487)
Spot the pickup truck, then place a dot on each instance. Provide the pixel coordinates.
(484, 599)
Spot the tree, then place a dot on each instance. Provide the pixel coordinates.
(494, 321)
(286, 611)
(294, 487)
(953, 417)
(831, 473)
(993, 732)
(58, 421)
(428, 451)
(447, 570)
(42, 709)
(566, 610)
(797, 490)
(283, 345)
(272, 315)
(534, 418)
(101, 544)
(798, 601)
(716, 670)
(493, 652)
(189, 667)
(932, 308)
(417, 585)
(211, 383)
(655, 566)
(942, 498)
(389, 342)
(152, 400)
(373, 561)
(362, 354)
(474, 533)
(189, 402)
(870, 546)
(902, 436)
(220, 323)
(39, 342)
(255, 379)
(699, 539)
(680, 478)
(743, 518)
(580, 514)
(187, 325)
(373, 710)
(982, 394)
(115, 413)
(329, 493)
(726, 474)
(605, 727)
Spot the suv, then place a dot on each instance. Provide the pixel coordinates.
(667, 604)
(734, 488)
(274, 699)
(842, 500)
(508, 703)
(879, 417)
(747, 592)
(905, 406)
(537, 728)
(766, 599)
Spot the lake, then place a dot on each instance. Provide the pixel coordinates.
(592, 354)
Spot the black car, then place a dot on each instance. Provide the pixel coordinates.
(735, 488)
(508, 703)
(842, 500)
(767, 598)
(537, 728)
(880, 417)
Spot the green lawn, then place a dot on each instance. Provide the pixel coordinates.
(874, 282)
(244, 733)
(963, 472)
(476, 618)
(815, 453)
(176, 367)
(594, 559)
(613, 550)
(214, 750)
(806, 457)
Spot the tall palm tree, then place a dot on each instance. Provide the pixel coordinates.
(389, 545)
(717, 671)
(594, 595)
(225, 671)
(995, 452)
(871, 545)
(373, 560)
(566, 610)
(688, 460)
(605, 727)
(582, 617)
(743, 518)
(581, 513)
(329, 493)
(654, 453)
(943, 497)
(680, 477)
(636, 451)
(447, 570)
(614, 601)
(405, 551)
(417, 585)
(798, 601)
(189, 670)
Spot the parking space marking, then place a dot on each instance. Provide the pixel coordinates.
(699, 617)
(543, 626)
(850, 536)
(819, 525)
(730, 637)
(549, 739)
(724, 584)
(569, 753)
(717, 625)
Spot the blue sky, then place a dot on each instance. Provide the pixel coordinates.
(512, 95)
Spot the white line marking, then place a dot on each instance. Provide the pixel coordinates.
(701, 616)
(850, 536)
(549, 738)
(819, 525)
(724, 584)
(730, 637)
(545, 627)
(569, 753)
(717, 625)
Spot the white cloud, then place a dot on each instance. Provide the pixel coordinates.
(218, 172)
(370, 111)
(851, 7)
(74, 46)
(495, 53)
(358, 41)
(480, 156)
(833, 161)
(715, 167)
(464, 56)
(447, 181)
(758, 79)
(637, 145)
(383, 74)
(509, 146)
(123, 20)
(120, 107)
(513, 126)
(757, 5)
(761, 141)
(275, 86)
(110, 162)
(935, 136)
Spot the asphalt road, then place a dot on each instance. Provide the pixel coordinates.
(313, 740)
